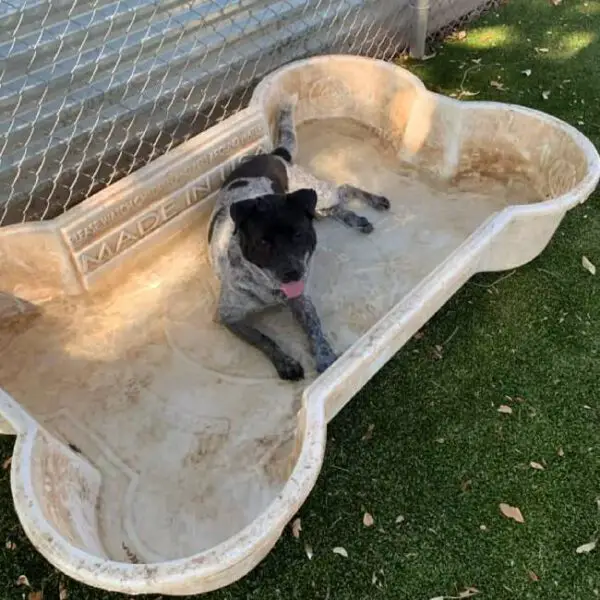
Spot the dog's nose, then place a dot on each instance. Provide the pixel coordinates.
(292, 275)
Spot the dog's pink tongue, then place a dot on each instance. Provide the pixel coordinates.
(293, 289)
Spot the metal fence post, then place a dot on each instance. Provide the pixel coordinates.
(419, 30)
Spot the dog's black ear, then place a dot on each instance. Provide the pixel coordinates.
(241, 211)
(306, 198)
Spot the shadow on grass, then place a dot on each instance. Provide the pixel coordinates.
(528, 48)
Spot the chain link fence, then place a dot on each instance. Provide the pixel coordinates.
(446, 20)
(91, 90)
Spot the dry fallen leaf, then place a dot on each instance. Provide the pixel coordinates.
(561, 452)
(309, 551)
(399, 519)
(461, 35)
(23, 581)
(586, 548)
(555, 2)
(533, 576)
(588, 265)
(546, 94)
(341, 551)
(505, 409)
(526, 72)
(498, 85)
(296, 528)
(542, 50)
(368, 520)
(438, 352)
(511, 512)
(369, 434)
(468, 593)
(7, 463)
(35, 596)
(63, 594)
(536, 465)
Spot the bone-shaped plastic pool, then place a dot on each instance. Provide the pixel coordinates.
(158, 453)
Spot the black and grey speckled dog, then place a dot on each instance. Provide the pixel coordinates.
(262, 238)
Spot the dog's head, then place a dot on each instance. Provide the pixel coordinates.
(276, 233)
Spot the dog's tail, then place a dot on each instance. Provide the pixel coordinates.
(285, 131)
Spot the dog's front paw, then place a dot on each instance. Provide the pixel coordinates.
(289, 369)
(324, 359)
(364, 225)
(380, 203)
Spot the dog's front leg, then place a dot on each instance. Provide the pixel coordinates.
(306, 314)
(287, 367)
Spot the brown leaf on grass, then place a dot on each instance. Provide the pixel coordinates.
(399, 519)
(419, 335)
(461, 35)
(369, 434)
(35, 596)
(468, 593)
(588, 265)
(63, 593)
(505, 409)
(561, 452)
(296, 528)
(23, 581)
(437, 352)
(586, 548)
(6, 464)
(368, 520)
(533, 576)
(526, 72)
(555, 2)
(341, 551)
(536, 465)
(498, 85)
(546, 94)
(511, 512)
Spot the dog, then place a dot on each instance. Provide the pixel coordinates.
(261, 238)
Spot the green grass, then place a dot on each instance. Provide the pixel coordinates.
(440, 454)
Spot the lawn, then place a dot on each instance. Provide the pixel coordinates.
(423, 448)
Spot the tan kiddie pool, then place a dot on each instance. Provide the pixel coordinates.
(157, 453)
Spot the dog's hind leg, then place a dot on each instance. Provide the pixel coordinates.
(347, 192)
(347, 217)
(338, 211)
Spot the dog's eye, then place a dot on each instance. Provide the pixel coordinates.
(298, 235)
